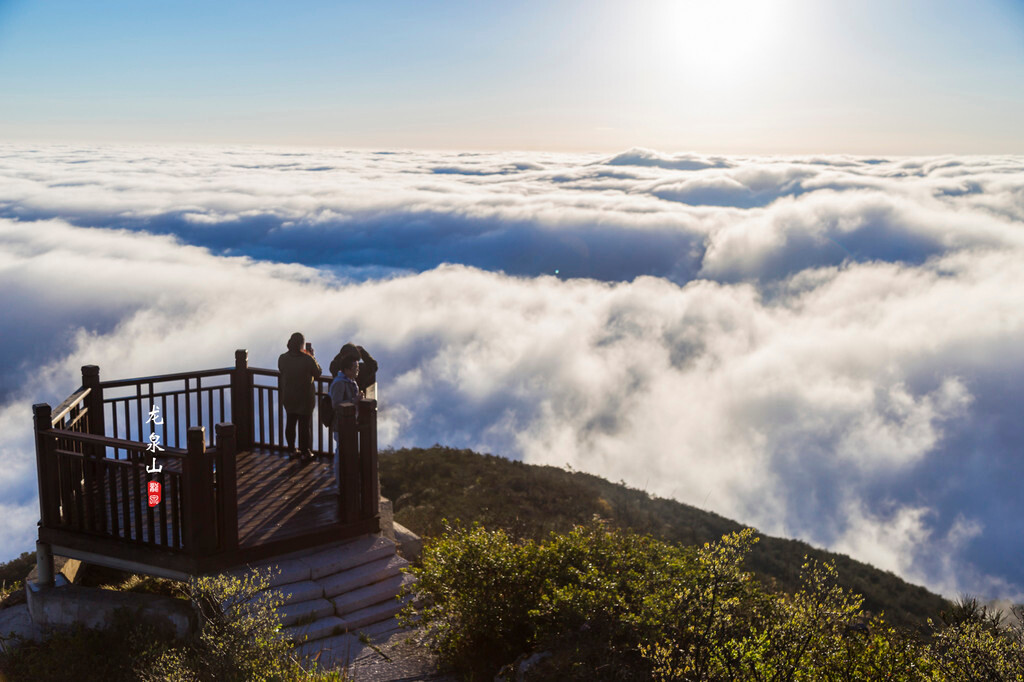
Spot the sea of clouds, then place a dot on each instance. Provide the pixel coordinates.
(829, 348)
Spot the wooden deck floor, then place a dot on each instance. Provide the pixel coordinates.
(279, 497)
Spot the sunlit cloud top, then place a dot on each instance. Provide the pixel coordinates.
(825, 347)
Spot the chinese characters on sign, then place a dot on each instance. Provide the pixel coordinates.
(153, 491)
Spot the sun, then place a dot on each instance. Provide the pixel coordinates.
(715, 44)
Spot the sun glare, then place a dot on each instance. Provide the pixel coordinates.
(715, 44)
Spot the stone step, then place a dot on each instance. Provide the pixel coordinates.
(378, 632)
(308, 611)
(293, 593)
(283, 572)
(318, 629)
(366, 574)
(342, 650)
(373, 614)
(331, 652)
(385, 590)
(301, 565)
(356, 553)
(346, 652)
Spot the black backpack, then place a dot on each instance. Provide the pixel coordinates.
(326, 411)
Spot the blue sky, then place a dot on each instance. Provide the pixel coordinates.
(734, 76)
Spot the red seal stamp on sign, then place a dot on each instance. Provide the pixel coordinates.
(154, 493)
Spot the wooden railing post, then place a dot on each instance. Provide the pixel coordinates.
(200, 530)
(368, 458)
(46, 466)
(242, 400)
(94, 492)
(94, 401)
(227, 488)
(347, 471)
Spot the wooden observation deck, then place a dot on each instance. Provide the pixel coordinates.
(231, 495)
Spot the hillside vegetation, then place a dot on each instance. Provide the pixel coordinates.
(526, 501)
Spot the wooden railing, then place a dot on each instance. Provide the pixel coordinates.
(269, 414)
(93, 451)
(179, 401)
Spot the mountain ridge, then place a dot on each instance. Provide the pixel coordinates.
(430, 485)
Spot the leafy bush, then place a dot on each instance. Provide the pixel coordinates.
(977, 650)
(428, 485)
(615, 605)
(238, 637)
(481, 587)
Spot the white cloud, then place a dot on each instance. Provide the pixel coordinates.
(862, 396)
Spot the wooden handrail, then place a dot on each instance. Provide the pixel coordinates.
(75, 398)
(179, 376)
(104, 441)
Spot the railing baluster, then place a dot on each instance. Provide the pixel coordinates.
(318, 432)
(281, 440)
(199, 407)
(188, 409)
(223, 417)
(163, 416)
(76, 492)
(113, 422)
(86, 491)
(262, 414)
(138, 414)
(115, 528)
(135, 459)
(177, 430)
(126, 499)
(210, 424)
(174, 492)
(100, 491)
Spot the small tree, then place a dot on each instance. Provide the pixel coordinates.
(238, 635)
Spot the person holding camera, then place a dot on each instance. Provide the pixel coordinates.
(299, 370)
(366, 375)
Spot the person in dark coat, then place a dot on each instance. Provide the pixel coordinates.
(367, 375)
(299, 369)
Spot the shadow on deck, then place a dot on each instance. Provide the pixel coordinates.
(280, 498)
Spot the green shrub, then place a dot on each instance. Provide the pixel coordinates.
(481, 587)
(976, 646)
(238, 637)
(614, 605)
